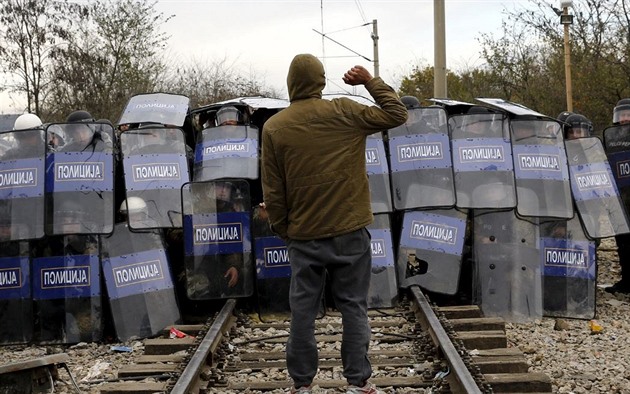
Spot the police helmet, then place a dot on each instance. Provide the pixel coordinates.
(27, 122)
(228, 115)
(80, 116)
(133, 205)
(410, 102)
(562, 116)
(58, 131)
(621, 112)
(579, 126)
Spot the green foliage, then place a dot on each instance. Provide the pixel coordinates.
(464, 86)
(526, 63)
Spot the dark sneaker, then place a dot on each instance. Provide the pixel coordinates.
(619, 287)
(369, 388)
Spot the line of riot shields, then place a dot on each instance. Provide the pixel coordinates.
(490, 204)
(493, 203)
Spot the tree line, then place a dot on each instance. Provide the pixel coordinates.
(525, 63)
(64, 55)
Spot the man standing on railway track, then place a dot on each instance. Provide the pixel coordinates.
(316, 193)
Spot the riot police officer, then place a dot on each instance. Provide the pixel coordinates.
(81, 135)
(578, 126)
(229, 116)
(27, 139)
(55, 137)
(218, 275)
(621, 112)
(621, 116)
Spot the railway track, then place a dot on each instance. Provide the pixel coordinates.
(415, 347)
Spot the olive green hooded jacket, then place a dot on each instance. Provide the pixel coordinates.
(314, 177)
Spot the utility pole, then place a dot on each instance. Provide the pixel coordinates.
(375, 40)
(439, 50)
(567, 19)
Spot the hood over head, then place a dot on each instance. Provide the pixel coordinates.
(306, 78)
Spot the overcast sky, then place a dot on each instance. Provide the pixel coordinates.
(260, 37)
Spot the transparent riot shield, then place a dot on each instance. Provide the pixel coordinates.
(420, 159)
(155, 165)
(80, 180)
(378, 174)
(217, 240)
(569, 270)
(617, 146)
(430, 249)
(67, 290)
(16, 303)
(508, 274)
(162, 108)
(594, 189)
(383, 291)
(228, 151)
(22, 171)
(139, 283)
(273, 270)
(541, 170)
(482, 161)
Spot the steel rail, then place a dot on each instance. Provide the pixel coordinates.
(458, 369)
(208, 344)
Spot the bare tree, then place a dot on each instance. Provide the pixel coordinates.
(29, 32)
(206, 81)
(112, 55)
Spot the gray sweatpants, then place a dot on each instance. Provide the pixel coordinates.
(348, 261)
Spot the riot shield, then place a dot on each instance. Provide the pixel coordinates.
(273, 270)
(594, 189)
(569, 270)
(139, 283)
(420, 159)
(155, 165)
(541, 170)
(217, 239)
(228, 151)
(67, 290)
(162, 108)
(80, 182)
(617, 146)
(16, 304)
(383, 292)
(430, 250)
(378, 174)
(22, 171)
(506, 256)
(482, 161)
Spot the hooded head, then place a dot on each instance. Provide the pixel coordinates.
(306, 78)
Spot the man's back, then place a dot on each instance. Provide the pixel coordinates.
(315, 149)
